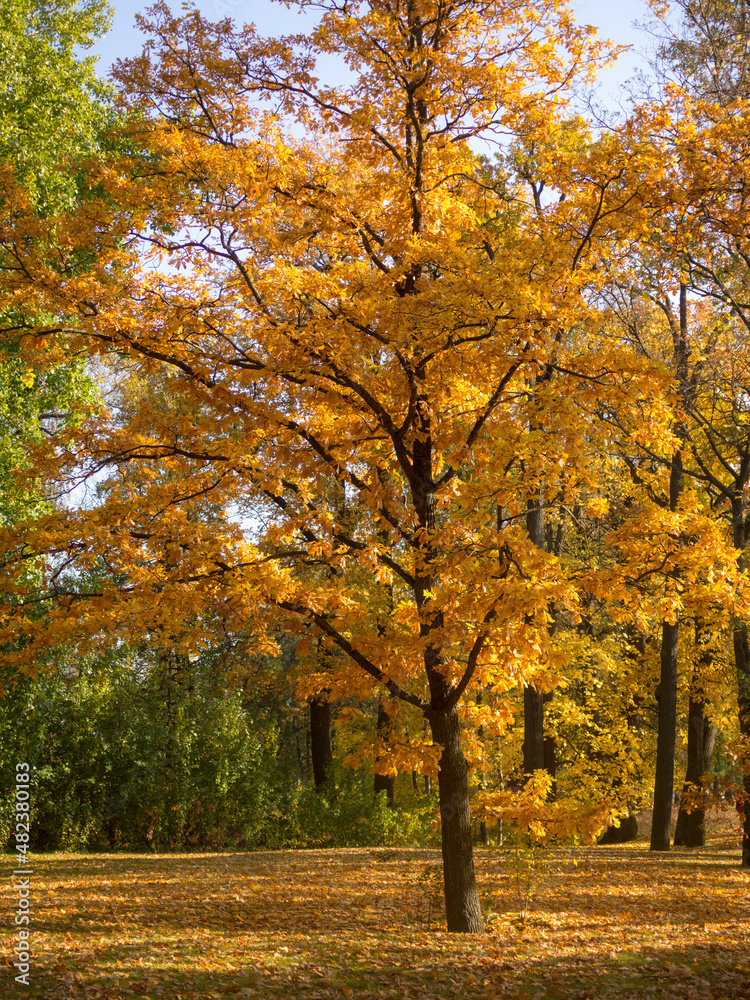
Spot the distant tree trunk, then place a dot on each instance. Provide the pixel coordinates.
(742, 661)
(533, 700)
(462, 907)
(176, 681)
(625, 833)
(741, 533)
(690, 829)
(661, 823)
(549, 752)
(321, 744)
(664, 778)
(321, 738)
(533, 730)
(384, 782)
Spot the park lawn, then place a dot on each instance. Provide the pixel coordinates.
(298, 925)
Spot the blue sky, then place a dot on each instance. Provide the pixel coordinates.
(614, 20)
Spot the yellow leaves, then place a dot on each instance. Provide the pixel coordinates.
(397, 755)
(348, 713)
(312, 684)
(660, 8)
(597, 506)
(383, 575)
(494, 719)
(530, 811)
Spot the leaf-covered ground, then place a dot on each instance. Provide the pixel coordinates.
(313, 925)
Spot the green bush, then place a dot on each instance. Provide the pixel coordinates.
(345, 813)
(128, 756)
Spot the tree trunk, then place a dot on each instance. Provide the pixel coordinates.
(462, 909)
(625, 833)
(741, 645)
(384, 782)
(533, 730)
(742, 661)
(533, 700)
(664, 779)
(549, 752)
(690, 830)
(463, 912)
(321, 744)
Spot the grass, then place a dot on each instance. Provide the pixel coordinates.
(313, 925)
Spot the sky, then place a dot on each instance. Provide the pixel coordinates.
(613, 19)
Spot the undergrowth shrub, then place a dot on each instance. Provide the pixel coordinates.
(123, 760)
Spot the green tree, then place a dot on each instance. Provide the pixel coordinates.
(54, 112)
(53, 107)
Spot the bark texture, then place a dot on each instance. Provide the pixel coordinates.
(463, 912)
(533, 700)
(742, 661)
(533, 730)
(690, 830)
(664, 780)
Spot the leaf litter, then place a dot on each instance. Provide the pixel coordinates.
(323, 924)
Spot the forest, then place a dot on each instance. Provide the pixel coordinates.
(374, 452)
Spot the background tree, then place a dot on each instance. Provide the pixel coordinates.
(54, 109)
(685, 555)
(704, 47)
(703, 50)
(53, 114)
(690, 828)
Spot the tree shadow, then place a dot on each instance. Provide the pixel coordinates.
(328, 923)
